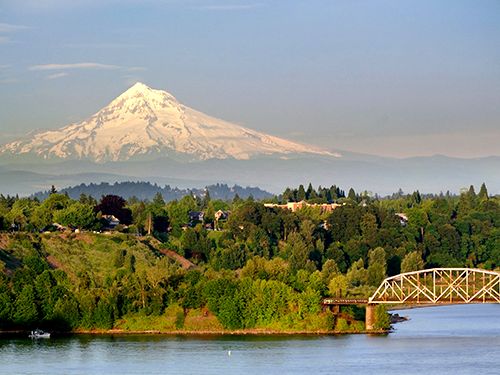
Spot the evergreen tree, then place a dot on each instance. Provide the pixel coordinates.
(236, 198)
(287, 196)
(309, 191)
(471, 194)
(206, 200)
(301, 194)
(483, 193)
(158, 200)
(334, 193)
(352, 194)
(83, 199)
(415, 198)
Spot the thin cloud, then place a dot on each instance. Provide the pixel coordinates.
(73, 66)
(5, 27)
(229, 7)
(82, 66)
(5, 66)
(58, 75)
(104, 45)
(11, 80)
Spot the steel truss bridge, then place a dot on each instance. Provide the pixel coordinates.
(440, 285)
(432, 286)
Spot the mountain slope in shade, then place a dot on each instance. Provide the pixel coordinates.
(143, 123)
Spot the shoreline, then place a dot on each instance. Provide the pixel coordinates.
(247, 332)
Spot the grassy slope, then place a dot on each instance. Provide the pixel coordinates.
(95, 253)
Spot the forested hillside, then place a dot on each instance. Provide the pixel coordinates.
(263, 267)
(146, 190)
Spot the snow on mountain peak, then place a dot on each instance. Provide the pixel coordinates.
(140, 94)
(147, 123)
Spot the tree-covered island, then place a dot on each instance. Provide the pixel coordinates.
(206, 265)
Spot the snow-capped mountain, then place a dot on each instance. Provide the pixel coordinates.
(143, 123)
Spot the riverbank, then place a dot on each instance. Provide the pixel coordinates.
(250, 331)
(202, 322)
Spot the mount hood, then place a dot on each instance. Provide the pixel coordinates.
(144, 124)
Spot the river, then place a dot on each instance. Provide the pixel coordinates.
(460, 339)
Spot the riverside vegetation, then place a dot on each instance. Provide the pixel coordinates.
(264, 269)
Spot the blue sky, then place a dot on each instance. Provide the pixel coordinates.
(392, 78)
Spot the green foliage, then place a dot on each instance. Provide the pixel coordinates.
(376, 266)
(329, 320)
(342, 325)
(36, 264)
(6, 310)
(358, 326)
(25, 309)
(66, 314)
(78, 215)
(275, 252)
(382, 320)
(357, 274)
(338, 286)
(179, 319)
(299, 254)
(179, 216)
(412, 262)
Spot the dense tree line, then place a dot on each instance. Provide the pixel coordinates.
(146, 191)
(264, 267)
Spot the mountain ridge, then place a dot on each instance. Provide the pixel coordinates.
(145, 124)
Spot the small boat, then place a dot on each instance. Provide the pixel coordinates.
(39, 334)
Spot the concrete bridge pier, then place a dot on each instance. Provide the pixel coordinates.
(370, 316)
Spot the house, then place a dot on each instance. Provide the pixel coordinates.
(196, 215)
(222, 215)
(112, 221)
(403, 219)
(59, 227)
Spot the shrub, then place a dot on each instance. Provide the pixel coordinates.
(382, 320)
(342, 325)
(358, 326)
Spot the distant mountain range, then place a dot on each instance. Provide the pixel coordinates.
(146, 135)
(383, 175)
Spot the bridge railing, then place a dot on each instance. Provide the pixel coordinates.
(440, 285)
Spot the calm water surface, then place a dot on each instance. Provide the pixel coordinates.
(437, 340)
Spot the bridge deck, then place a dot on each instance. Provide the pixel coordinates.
(345, 301)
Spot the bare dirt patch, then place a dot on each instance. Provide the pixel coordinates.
(186, 264)
(4, 241)
(56, 265)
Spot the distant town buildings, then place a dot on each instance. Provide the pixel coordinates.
(294, 206)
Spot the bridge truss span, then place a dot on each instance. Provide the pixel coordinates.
(440, 286)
